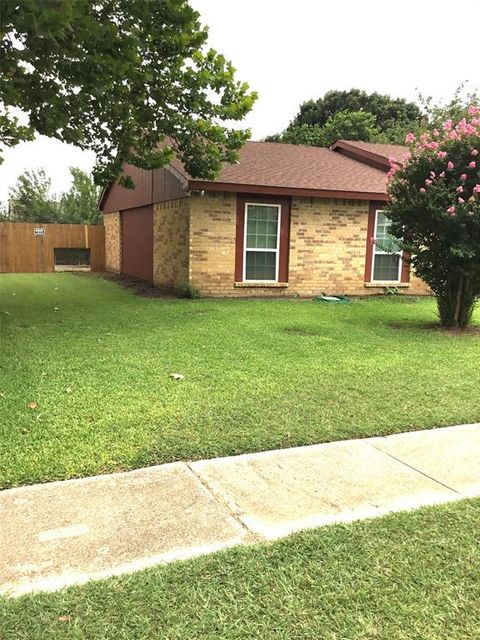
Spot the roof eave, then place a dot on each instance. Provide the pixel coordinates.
(362, 155)
(205, 185)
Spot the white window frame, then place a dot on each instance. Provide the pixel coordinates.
(276, 250)
(384, 253)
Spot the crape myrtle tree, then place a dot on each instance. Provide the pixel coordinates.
(435, 207)
(132, 80)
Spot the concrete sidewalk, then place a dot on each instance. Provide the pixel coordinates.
(62, 533)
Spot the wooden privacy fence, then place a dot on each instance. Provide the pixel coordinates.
(27, 247)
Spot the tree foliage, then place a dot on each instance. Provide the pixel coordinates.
(30, 200)
(351, 125)
(386, 110)
(352, 115)
(435, 206)
(131, 80)
(80, 203)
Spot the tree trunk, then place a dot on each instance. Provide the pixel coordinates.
(456, 302)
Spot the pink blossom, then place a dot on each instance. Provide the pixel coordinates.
(461, 201)
(450, 166)
(410, 138)
(463, 177)
(476, 188)
(459, 189)
(423, 190)
(474, 152)
(451, 210)
(427, 181)
(448, 125)
(473, 111)
(472, 164)
(442, 154)
(442, 175)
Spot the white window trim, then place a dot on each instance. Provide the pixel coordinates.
(384, 253)
(276, 250)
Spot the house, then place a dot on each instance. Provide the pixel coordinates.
(285, 220)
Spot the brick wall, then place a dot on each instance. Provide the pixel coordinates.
(327, 246)
(328, 243)
(171, 242)
(212, 242)
(113, 241)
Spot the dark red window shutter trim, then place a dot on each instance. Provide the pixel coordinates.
(370, 239)
(284, 232)
(405, 275)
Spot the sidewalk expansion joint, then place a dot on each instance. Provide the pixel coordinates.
(251, 536)
(390, 455)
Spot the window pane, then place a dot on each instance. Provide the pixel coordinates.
(260, 265)
(71, 257)
(262, 224)
(384, 240)
(385, 267)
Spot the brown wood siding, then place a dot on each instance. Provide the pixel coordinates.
(23, 252)
(166, 186)
(137, 242)
(150, 186)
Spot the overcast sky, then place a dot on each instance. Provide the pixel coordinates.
(291, 51)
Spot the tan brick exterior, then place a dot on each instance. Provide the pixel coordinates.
(328, 243)
(327, 246)
(171, 222)
(212, 242)
(194, 241)
(113, 242)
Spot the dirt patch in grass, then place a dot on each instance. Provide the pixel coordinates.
(449, 331)
(300, 331)
(135, 285)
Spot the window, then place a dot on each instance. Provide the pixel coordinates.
(67, 258)
(387, 255)
(262, 234)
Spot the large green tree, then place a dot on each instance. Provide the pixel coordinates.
(79, 205)
(30, 199)
(350, 125)
(131, 80)
(352, 115)
(387, 111)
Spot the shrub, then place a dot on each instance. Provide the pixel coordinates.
(435, 207)
(187, 290)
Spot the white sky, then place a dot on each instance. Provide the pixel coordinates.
(291, 51)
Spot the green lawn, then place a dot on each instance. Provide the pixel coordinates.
(410, 576)
(258, 375)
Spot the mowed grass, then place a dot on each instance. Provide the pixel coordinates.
(259, 374)
(409, 576)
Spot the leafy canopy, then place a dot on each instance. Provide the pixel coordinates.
(386, 110)
(118, 77)
(352, 125)
(30, 199)
(435, 206)
(352, 115)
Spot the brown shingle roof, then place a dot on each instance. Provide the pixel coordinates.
(295, 168)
